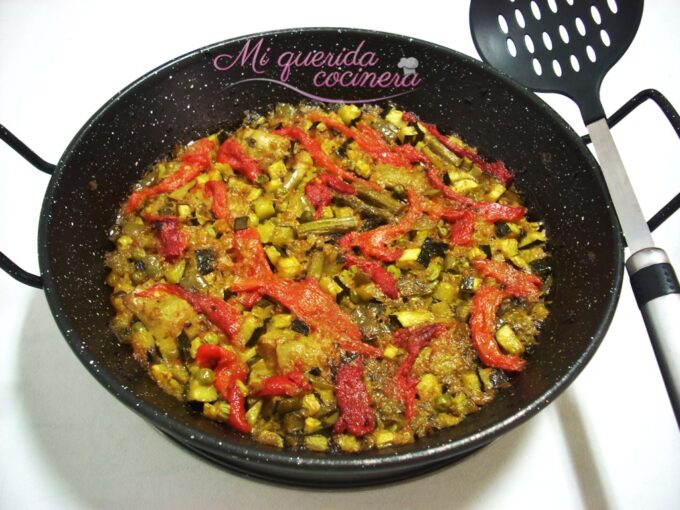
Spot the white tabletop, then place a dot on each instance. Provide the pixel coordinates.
(610, 441)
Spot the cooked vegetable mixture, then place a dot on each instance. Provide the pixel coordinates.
(329, 279)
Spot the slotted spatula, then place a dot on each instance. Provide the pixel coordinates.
(567, 46)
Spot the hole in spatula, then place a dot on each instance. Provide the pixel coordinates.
(575, 65)
(535, 10)
(502, 23)
(605, 38)
(547, 41)
(529, 43)
(564, 34)
(613, 6)
(512, 49)
(557, 68)
(580, 26)
(595, 14)
(537, 66)
(591, 53)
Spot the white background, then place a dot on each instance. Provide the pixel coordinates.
(610, 441)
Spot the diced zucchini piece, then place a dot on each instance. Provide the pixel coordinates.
(200, 392)
(383, 438)
(347, 443)
(362, 169)
(348, 113)
(277, 170)
(508, 340)
(441, 310)
(391, 351)
(532, 237)
(409, 259)
(253, 413)
(264, 208)
(272, 254)
(316, 443)
(281, 320)
(508, 247)
(408, 318)
(270, 438)
(219, 411)
(312, 425)
(330, 285)
(496, 191)
(282, 235)
(446, 292)
(288, 267)
(394, 117)
(471, 382)
(428, 387)
(476, 253)
(248, 326)
(445, 420)
(163, 377)
(124, 241)
(311, 404)
(266, 230)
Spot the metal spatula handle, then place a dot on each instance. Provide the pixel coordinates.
(652, 277)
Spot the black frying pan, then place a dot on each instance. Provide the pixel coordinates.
(210, 89)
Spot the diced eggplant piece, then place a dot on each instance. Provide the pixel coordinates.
(184, 345)
(300, 327)
(430, 249)
(541, 267)
(240, 223)
(205, 260)
(502, 229)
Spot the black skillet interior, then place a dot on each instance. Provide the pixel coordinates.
(212, 88)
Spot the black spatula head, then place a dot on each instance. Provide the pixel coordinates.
(564, 46)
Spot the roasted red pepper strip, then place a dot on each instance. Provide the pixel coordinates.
(225, 315)
(319, 195)
(228, 370)
(356, 415)
(251, 261)
(334, 182)
(375, 243)
(235, 156)
(196, 160)
(377, 273)
(490, 211)
(462, 230)
(288, 385)
(313, 305)
(199, 153)
(169, 232)
(313, 146)
(462, 222)
(185, 174)
(496, 168)
(485, 304)
(413, 340)
(514, 281)
(218, 191)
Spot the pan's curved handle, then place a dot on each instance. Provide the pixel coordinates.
(22, 149)
(673, 118)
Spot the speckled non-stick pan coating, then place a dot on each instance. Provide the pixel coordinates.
(211, 88)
